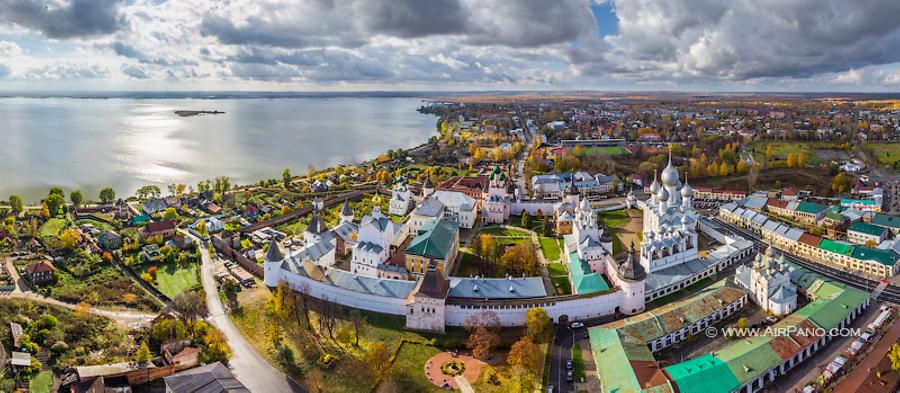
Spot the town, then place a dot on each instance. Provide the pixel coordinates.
(562, 242)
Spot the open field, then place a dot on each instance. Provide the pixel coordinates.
(887, 153)
(769, 179)
(608, 150)
(51, 229)
(781, 149)
(407, 372)
(559, 275)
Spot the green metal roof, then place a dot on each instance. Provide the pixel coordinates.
(705, 374)
(811, 207)
(583, 280)
(836, 247)
(435, 239)
(884, 257)
(886, 220)
(613, 363)
(828, 312)
(749, 358)
(868, 229)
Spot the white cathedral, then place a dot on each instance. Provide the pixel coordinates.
(769, 283)
(670, 234)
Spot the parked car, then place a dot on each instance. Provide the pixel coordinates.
(569, 377)
(569, 364)
(772, 319)
(576, 325)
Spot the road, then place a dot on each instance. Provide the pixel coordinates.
(562, 351)
(247, 365)
(22, 291)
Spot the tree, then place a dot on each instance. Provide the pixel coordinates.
(190, 306)
(547, 227)
(70, 239)
(791, 160)
(107, 195)
(57, 191)
(54, 201)
(741, 166)
(170, 214)
(286, 177)
(82, 310)
(76, 197)
(15, 202)
(378, 358)
(143, 354)
(217, 349)
(894, 356)
(526, 219)
(359, 325)
(769, 153)
(537, 322)
(841, 183)
(524, 354)
(742, 323)
(483, 335)
(801, 161)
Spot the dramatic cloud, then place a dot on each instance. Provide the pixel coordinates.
(453, 44)
(63, 19)
(746, 39)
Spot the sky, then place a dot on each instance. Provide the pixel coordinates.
(450, 45)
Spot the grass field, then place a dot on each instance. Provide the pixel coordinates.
(103, 226)
(550, 248)
(616, 218)
(559, 275)
(173, 279)
(467, 265)
(505, 232)
(608, 150)
(618, 246)
(52, 228)
(42, 382)
(887, 153)
(781, 149)
(577, 362)
(407, 374)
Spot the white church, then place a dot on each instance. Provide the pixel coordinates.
(769, 283)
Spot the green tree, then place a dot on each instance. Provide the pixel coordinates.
(170, 214)
(107, 195)
(526, 219)
(76, 197)
(894, 356)
(286, 177)
(15, 202)
(547, 227)
(537, 322)
(70, 239)
(57, 191)
(143, 354)
(54, 201)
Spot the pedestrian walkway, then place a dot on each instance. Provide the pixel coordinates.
(859, 376)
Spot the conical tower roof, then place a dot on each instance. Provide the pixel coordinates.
(630, 269)
(346, 210)
(274, 254)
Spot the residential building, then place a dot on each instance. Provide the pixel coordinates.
(866, 234)
(40, 272)
(164, 229)
(110, 240)
(435, 245)
(211, 378)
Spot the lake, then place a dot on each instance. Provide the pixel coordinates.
(125, 143)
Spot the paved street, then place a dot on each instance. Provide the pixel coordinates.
(562, 351)
(248, 366)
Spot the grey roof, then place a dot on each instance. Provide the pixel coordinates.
(316, 225)
(631, 269)
(430, 207)
(369, 246)
(455, 200)
(211, 378)
(315, 251)
(496, 288)
(274, 253)
(730, 206)
(794, 234)
(742, 275)
(369, 285)
(670, 275)
(771, 226)
(755, 202)
(433, 285)
(784, 293)
(154, 206)
(346, 210)
(345, 231)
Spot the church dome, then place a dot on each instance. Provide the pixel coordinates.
(687, 191)
(669, 175)
(663, 194)
(654, 187)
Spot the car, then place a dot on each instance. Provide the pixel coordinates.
(576, 325)
(550, 389)
(569, 376)
(772, 319)
(569, 364)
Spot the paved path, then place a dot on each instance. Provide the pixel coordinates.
(860, 373)
(247, 365)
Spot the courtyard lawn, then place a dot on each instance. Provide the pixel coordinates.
(42, 382)
(505, 232)
(52, 228)
(516, 221)
(886, 153)
(100, 225)
(550, 248)
(616, 218)
(618, 247)
(173, 279)
(467, 266)
(559, 276)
